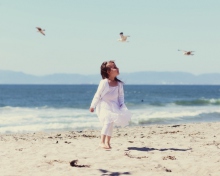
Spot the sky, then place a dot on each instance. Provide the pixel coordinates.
(81, 34)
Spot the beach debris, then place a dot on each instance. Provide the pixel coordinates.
(58, 136)
(123, 37)
(175, 126)
(131, 156)
(142, 135)
(153, 132)
(51, 162)
(40, 30)
(169, 157)
(167, 170)
(3, 139)
(131, 141)
(67, 142)
(74, 164)
(198, 133)
(57, 142)
(171, 132)
(20, 149)
(217, 144)
(188, 53)
(90, 136)
(164, 168)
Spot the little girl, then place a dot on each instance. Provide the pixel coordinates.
(109, 103)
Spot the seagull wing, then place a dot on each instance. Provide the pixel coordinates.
(39, 28)
(125, 37)
(42, 32)
(182, 50)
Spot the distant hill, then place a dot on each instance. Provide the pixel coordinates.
(179, 78)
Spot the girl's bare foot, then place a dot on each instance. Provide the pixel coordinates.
(108, 145)
(103, 146)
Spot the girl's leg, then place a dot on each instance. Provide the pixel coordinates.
(104, 133)
(102, 143)
(109, 134)
(107, 141)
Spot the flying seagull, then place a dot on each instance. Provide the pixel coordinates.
(40, 30)
(123, 37)
(188, 53)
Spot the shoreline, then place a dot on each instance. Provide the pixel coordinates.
(183, 149)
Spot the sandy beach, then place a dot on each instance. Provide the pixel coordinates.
(186, 149)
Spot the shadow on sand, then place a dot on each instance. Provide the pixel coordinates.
(146, 149)
(108, 173)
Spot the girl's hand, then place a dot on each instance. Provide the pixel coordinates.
(91, 109)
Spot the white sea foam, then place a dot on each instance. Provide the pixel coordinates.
(40, 119)
(171, 112)
(16, 119)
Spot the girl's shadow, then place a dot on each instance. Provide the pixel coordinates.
(146, 149)
(109, 173)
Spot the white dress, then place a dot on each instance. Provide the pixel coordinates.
(109, 110)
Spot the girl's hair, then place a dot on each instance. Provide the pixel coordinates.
(104, 70)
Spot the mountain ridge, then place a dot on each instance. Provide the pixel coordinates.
(143, 77)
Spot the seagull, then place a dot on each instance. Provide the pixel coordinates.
(123, 37)
(40, 30)
(188, 53)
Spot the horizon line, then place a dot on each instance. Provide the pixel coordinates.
(99, 74)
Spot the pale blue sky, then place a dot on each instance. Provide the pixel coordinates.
(81, 34)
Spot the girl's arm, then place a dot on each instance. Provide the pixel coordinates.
(121, 95)
(97, 95)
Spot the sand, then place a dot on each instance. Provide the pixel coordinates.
(186, 150)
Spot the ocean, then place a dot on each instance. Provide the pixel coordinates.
(34, 108)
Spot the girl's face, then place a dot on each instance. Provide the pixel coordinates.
(114, 69)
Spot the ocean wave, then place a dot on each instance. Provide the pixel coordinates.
(21, 120)
(133, 104)
(49, 127)
(198, 102)
(176, 103)
(203, 117)
(17, 119)
(164, 115)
